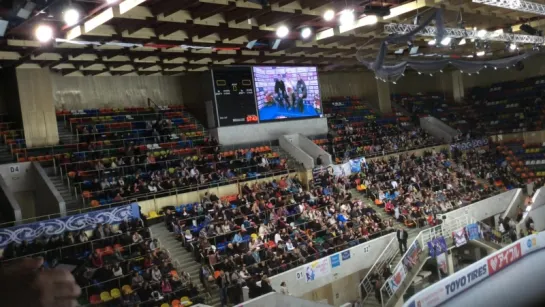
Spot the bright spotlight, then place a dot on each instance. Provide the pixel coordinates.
(282, 31)
(347, 17)
(446, 41)
(329, 15)
(480, 53)
(71, 17)
(481, 33)
(306, 32)
(432, 42)
(462, 42)
(512, 47)
(44, 33)
(111, 1)
(372, 19)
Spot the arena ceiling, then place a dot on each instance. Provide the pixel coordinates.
(170, 37)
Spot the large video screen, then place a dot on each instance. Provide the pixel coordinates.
(235, 99)
(287, 93)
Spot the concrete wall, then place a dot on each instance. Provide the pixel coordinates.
(483, 209)
(197, 88)
(314, 150)
(290, 143)
(516, 203)
(49, 199)
(413, 83)
(37, 107)
(438, 129)
(114, 92)
(9, 207)
(278, 300)
(355, 83)
(342, 284)
(269, 131)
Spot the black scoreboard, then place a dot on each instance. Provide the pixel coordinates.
(234, 94)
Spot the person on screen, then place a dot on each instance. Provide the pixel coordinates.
(280, 90)
(301, 93)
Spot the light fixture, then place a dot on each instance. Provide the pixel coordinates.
(480, 53)
(329, 15)
(111, 1)
(371, 19)
(71, 17)
(347, 17)
(306, 32)
(441, 71)
(512, 47)
(496, 33)
(282, 31)
(495, 68)
(481, 33)
(44, 33)
(445, 41)
(462, 42)
(432, 42)
(419, 73)
(394, 82)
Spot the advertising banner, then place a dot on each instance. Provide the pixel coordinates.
(335, 260)
(346, 255)
(473, 231)
(397, 278)
(442, 263)
(504, 258)
(437, 246)
(459, 237)
(412, 255)
(317, 269)
(355, 166)
(341, 169)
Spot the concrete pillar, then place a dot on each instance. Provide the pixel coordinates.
(458, 90)
(383, 92)
(450, 263)
(37, 107)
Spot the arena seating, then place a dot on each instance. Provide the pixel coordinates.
(526, 161)
(359, 132)
(281, 228)
(105, 261)
(436, 105)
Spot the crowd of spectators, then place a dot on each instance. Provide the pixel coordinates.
(118, 266)
(414, 189)
(136, 174)
(270, 228)
(371, 139)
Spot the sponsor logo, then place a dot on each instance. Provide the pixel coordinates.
(531, 242)
(504, 258)
(465, 280)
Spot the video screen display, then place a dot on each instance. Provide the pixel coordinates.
(235, 98)
(287, 93)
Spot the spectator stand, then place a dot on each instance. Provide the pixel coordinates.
(260, 231)
(525, 161)
(368, 134)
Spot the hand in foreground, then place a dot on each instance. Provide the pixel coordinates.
(26, 284)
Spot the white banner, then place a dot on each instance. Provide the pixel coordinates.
(459, 236)
(397, 278)
(342, 169)
(442, 262)
(317, 269)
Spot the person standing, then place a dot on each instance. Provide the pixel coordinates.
(280, 91)
(402, 240)
(301, 93)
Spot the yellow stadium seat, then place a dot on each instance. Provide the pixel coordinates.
(185, 301)
(126, 289)
(115, 293)
(105, 296)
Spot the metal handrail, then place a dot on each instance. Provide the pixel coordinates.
(384, 259)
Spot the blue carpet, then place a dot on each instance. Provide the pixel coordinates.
(275, 112)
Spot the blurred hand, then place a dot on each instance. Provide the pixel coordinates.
(25, 283)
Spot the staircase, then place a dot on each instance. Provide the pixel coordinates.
(5, 155)
(185, 259)
(371, 300)
(65, 135)
(72, 203)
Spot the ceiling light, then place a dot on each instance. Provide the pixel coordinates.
(44, 33)
(462, 42)
(432, 42)
(371, 19)
(282, 31)
(512, 47)
(480, 53)
(497, 33)
(111, 1)
(71, 17)
(347, 17)
(329, 15)
(445, 41)
(306, 33)
(481, 33)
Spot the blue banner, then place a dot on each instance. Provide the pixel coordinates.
(346, 255)
(355, 166)
(85, 221)
(473, 231)
(335, 261)
(437, 246)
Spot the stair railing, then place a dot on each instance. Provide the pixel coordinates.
(423, 237)
(384, 259)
